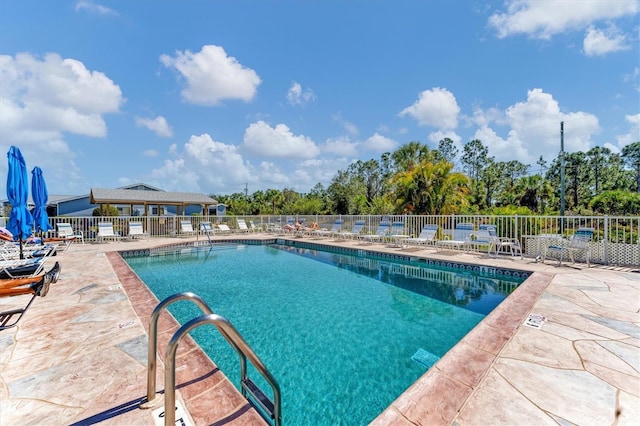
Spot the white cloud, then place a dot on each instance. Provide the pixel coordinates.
(341, 145)
(436, 108)
(634, 132)
(204, 165)
(150, 153)
(600, 42)
(633, 78)
(436, 137)
(41, 99)
(93, 7)
(545, 18)
(211, 76)
(279, 141)
(534, 130)
(379, 143)
(309, 172)
(298, 97)
(484, 117)
(613, 148)
(157, 125)
(351, 128)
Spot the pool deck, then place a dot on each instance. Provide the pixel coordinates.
(79, 354)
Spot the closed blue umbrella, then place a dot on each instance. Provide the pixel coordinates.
(20, 220)
(40, 197)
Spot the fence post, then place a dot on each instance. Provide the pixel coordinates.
(606, 240)
(515, 231)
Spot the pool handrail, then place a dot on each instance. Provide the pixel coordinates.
(231, 335)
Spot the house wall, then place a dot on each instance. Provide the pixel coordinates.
(76, 205)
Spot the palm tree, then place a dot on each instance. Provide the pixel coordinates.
(431, 188)
(532, 192)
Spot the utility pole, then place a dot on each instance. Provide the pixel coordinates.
(562, 166)
(246, 190)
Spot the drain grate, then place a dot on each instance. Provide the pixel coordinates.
(535, 321)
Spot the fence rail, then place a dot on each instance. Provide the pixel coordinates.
(616, 238)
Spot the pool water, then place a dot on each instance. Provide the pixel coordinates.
(337, 332)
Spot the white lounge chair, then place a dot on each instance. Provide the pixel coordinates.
(206, 228)
(579, 243)
(334, 230)
(288, 228)
(482, 238)
(382, 231)
(242, 226)
(224, 229)
(428, 235)
(497, 242)
(461, 237)
(356, 229)
(65, 231)
(136, 230)
(396, 236)
(105, 231)
(186, 228)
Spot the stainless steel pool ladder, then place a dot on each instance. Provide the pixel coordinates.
(206, 231)
(249, 389)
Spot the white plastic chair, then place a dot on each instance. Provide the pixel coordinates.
(136, 230)
(579, 243)
(105, 231)
(66, 231)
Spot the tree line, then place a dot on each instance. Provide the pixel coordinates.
(415, 179)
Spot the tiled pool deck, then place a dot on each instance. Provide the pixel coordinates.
(79, 354)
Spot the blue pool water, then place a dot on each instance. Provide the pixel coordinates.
(343, 336)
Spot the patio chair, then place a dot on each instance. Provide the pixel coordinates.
(428, 235)
(512, 244)
(356, 229)
(242, 226)
(578, 243)
(105, 231)
(382, 231)
(66, 232)
(397, 236)
(333, 231)
(30, 249)
(461, 237)
(224, 229)
(207, 228)
(482, 238)
(186, 228)
(136, 230)
(34, 286)
(287, 228)
(23, 268)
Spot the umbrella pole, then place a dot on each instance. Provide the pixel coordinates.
(21, 253)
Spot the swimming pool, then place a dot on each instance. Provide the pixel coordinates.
(343, 335)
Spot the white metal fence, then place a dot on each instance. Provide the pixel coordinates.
(616, 239)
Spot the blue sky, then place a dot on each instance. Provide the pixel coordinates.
(207, 96)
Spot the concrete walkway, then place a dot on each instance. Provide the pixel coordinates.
(79, 354)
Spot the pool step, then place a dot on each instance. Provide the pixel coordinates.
(259, 396)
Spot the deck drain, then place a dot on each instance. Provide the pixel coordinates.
(535, 321)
